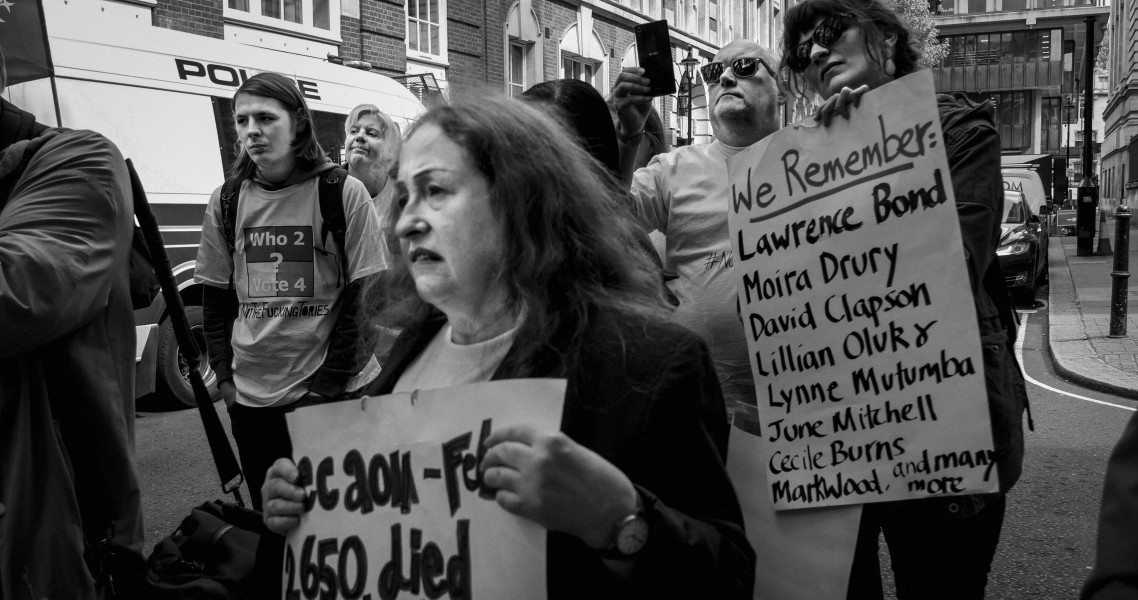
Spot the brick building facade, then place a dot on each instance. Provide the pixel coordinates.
(504, 45)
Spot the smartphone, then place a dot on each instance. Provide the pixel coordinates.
(654, 49)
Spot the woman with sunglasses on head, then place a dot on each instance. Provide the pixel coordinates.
(939, 547)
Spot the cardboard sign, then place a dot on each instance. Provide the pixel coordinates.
(858, 311)
(397, 508)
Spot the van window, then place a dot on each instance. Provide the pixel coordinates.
(329, 132)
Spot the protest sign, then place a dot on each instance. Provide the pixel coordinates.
(396, 506)
(857, 306)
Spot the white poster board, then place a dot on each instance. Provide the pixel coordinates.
(394, 489)
(858, 311)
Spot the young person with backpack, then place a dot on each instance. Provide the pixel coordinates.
(287, 243)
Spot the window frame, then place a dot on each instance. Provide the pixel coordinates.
(254, 18)
(599, 63)
(515, 89)
(514, 35)
(416, 54)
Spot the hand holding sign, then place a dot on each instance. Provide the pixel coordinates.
(557, 483)
(283, 496)
(840, 104)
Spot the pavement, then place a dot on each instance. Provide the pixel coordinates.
(1079, 307)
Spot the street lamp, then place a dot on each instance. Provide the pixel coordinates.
(683, 103)
(1069, 119)
(689, 64)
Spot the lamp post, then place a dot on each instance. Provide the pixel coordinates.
(689, 64)
(683, 104)
(1088, 192)
(1069, 113)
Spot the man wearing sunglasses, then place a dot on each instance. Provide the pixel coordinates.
(684, 195)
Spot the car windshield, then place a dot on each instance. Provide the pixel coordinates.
(1015, 212)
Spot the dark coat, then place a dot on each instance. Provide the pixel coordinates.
(973, 149)
(67, 473)
(644, 395)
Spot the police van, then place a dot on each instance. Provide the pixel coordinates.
(165, 98)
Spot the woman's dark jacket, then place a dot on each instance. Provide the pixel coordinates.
(644, 395)
(973, 149)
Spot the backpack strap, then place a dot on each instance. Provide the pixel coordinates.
(331, 188)
(230, 194)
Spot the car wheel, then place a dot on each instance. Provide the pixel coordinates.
(173, 381)
(1025, 295)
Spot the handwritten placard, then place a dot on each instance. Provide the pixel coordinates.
(858, 311)
(396, 506)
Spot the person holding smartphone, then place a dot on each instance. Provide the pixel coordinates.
(683, 194)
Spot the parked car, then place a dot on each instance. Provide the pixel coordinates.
(1022, 249)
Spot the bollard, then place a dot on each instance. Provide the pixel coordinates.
(1121, 272)
(1103, 238)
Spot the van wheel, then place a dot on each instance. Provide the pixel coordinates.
(173, 381)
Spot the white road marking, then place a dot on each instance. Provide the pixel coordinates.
(1019, 357)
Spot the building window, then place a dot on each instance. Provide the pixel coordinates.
(426, 29)
(523, 51)
(516, 72)
(576, 67)
(1032, 45)
(587, 63)
(315, 17)
(1013, 119)
(1052, 125)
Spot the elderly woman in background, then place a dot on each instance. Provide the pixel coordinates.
(940, 547)
(371, 148)
(517, 264)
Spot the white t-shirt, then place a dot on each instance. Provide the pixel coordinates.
(685, 195)
(288, 282)
(444, 363)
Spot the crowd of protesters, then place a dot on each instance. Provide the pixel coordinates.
(495, 237)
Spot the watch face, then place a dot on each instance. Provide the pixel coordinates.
(632, 536)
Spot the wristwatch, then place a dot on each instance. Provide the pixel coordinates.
(629, 537)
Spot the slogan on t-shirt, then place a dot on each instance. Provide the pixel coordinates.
(279, 261)
(856, 302)
(396, 506)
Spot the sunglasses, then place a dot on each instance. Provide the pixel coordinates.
(741, 67)
(826, 34)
